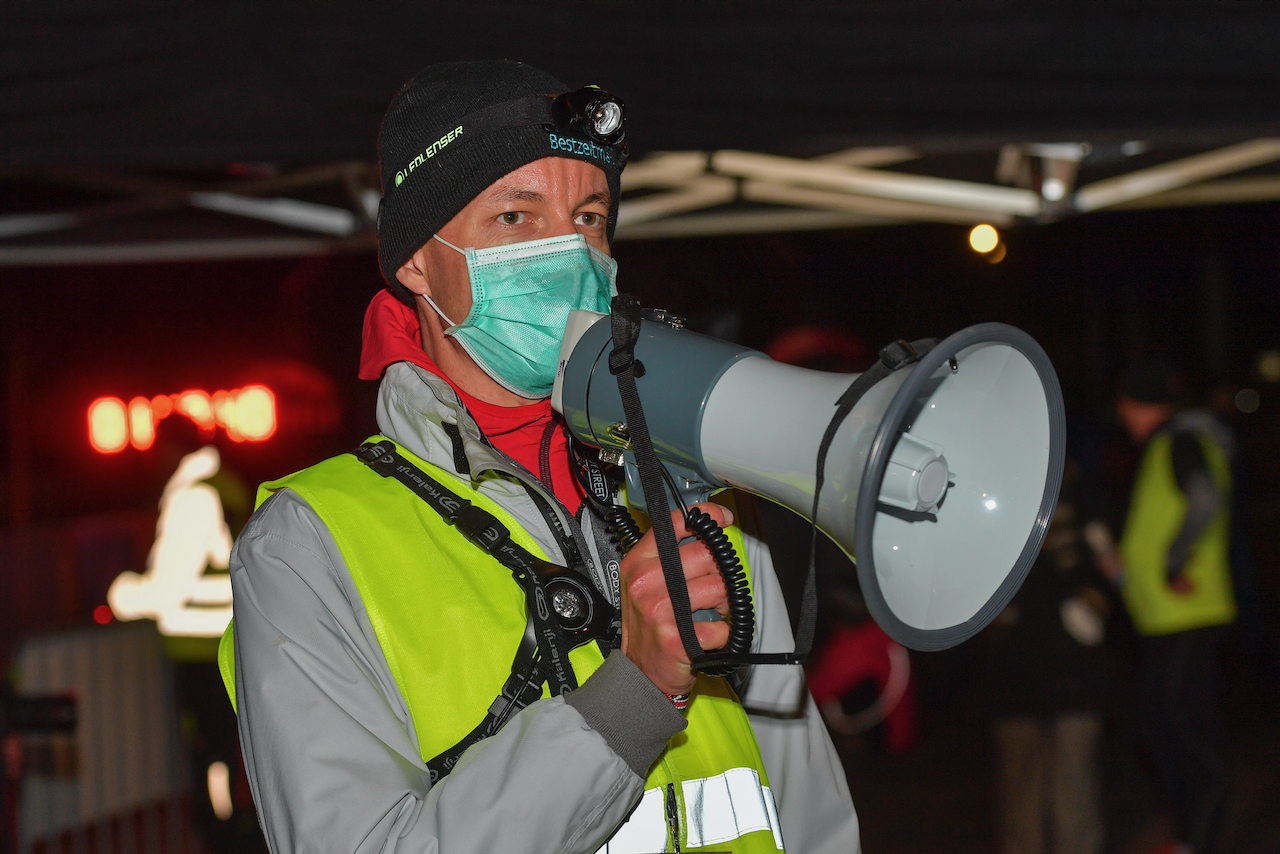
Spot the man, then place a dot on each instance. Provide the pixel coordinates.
(1176, 583)
(372, 637)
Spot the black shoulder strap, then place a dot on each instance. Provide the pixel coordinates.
(543, 654)
(522, 687)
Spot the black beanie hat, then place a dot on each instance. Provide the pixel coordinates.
(453, 130)
(1151, 380)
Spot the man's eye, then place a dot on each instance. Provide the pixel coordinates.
(511, 218)
(590, 219)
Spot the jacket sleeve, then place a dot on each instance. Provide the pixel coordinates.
(1191, 472)
(331, 749)
(806, 774)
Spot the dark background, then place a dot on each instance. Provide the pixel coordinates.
(1201, 285)
(216, 89)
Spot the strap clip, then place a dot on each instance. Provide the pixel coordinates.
(897, 354)
(901, 353)
(481, 527)
(372, 452)
(625, 327)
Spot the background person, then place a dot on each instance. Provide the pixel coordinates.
(1175, 579)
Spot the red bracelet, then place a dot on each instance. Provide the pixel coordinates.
(680, 701)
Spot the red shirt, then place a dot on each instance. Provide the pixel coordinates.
(392, 334)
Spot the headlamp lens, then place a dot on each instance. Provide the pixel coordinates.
(593, 112)
(606, 118)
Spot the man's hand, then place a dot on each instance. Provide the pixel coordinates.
(1180, 584)
(649, 634)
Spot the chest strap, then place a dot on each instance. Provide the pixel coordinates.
(565, 609)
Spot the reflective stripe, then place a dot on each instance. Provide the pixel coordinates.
(644, 832)
(727, 806)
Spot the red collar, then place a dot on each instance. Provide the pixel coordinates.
(393, 334)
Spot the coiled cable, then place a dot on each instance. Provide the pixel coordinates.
(742, 615)
(622, 527)
(626, 533)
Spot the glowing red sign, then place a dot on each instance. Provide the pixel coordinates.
(246, 414)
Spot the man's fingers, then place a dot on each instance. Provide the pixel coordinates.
(720, 514)
(708, 591)
(712, 635)
(648, 545)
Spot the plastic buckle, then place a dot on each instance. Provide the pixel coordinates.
(512, 690)
(480, 526)
(371, 452)
(897, 354)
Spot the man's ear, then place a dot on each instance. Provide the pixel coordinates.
(413, 273)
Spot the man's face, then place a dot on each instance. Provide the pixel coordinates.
(1141, 419)
(550, 197)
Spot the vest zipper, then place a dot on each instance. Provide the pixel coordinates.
(673, 818)
(544, 456)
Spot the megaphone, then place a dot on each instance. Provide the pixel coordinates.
(940, 482)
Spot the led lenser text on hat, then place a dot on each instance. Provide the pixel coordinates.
(431, 151)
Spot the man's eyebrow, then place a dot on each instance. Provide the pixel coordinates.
(516, 194)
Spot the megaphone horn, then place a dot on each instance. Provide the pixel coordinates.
(940, 482)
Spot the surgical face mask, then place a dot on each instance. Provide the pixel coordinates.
(521, 296)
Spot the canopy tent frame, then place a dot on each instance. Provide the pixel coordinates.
(665, 195)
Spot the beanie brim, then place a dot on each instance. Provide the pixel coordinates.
(454, 178)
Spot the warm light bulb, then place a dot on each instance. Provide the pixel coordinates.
(108, 425)
(142, 425)
(255, 409)
(984, 238)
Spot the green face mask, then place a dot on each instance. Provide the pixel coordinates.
(521, 296)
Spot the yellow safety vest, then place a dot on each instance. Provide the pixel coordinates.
(1156, 512)
(449, 618)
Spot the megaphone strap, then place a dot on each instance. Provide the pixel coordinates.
(893, 356)
(625, 326)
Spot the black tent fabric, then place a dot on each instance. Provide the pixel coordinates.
(207, 84)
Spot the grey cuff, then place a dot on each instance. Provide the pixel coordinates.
(623, 705)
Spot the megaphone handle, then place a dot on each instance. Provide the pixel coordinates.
(625, 326)
(625, 329)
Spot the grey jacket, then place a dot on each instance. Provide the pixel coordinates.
(332, 751)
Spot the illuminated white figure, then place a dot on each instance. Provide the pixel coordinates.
(191, 534)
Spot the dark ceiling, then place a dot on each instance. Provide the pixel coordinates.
(156, 84)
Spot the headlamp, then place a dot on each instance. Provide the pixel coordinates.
(593, 112)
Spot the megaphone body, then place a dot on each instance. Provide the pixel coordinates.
(940, 482)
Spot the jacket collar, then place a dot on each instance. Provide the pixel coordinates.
(414, 404)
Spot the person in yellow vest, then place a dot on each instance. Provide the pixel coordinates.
(400, 682)
(1175, 580)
